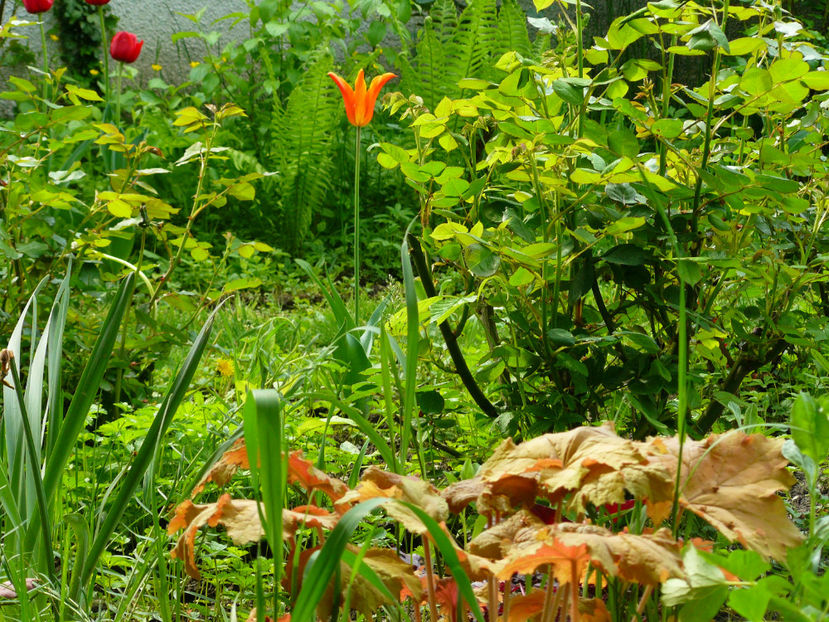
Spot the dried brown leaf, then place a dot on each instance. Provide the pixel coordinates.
(497, 541)
(594, 463)
(378, 483)
(732, 480)
(220, 473)
(304, 473)
(648, 558)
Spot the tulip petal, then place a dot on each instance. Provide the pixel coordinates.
(360, 100)
(348, 96)
(373, 91)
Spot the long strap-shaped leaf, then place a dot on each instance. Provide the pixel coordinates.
(263, 438)
(87, 388)
(82, 400)
(450, 556)
(142, 460)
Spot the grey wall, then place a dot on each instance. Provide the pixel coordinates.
(153, 21)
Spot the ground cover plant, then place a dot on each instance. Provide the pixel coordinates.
(536, 332)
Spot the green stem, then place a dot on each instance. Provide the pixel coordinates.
(46, 90)
(357, 229)
(118, 101)
(579, 43)
(105, 53)
(195, 210)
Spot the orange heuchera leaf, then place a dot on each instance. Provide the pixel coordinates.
(526, 606)
(378, 483)
(239, 516)
(648, 558)
(220, 473)
(732, 480)
(446, 596)
(462, 493)
(568, 562)
(304, 473)
(592, 462)
(241, 519)
(306, 516)
(593, 610)
(497, 541)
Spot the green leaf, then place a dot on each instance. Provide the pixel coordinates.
(756, 81)
(810, 426)
(481, 261)
(561, 338)
(571, 90)
(626, 255)
(263, 428)
(243, 191)
(689, 271)
(623, 142)
(668, 128)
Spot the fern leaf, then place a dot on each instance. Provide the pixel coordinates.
(512, 30)
(471, 49)
(302, 147)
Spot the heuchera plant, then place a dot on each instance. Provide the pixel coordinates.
(545, 506)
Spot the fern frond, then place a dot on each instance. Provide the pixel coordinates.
(432, 85)
(302, 147)
(512, 30)
(444, 18)
(470, 51)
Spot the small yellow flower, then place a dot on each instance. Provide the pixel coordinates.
(54, 37)
(194, 63)
(225, 367)
(94, 72)
(156, 67)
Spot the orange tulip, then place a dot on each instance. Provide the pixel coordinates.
(359, 102)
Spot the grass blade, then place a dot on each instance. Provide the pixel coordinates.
(451, 558)
(149, 446)
(263, 439)
(87, 388)
(412, 344)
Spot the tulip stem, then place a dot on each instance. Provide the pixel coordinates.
(357, 229)
(46, 90)
(105, 52)
(118, 101)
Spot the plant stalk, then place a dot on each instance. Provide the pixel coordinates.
(430, 577)
(46, 89)
(105, 53)
(357, 229)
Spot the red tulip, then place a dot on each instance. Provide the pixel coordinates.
(359, 102)
(97, 2)
(37, 6)
(125, 47)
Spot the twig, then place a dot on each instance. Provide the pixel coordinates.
(448, 336)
